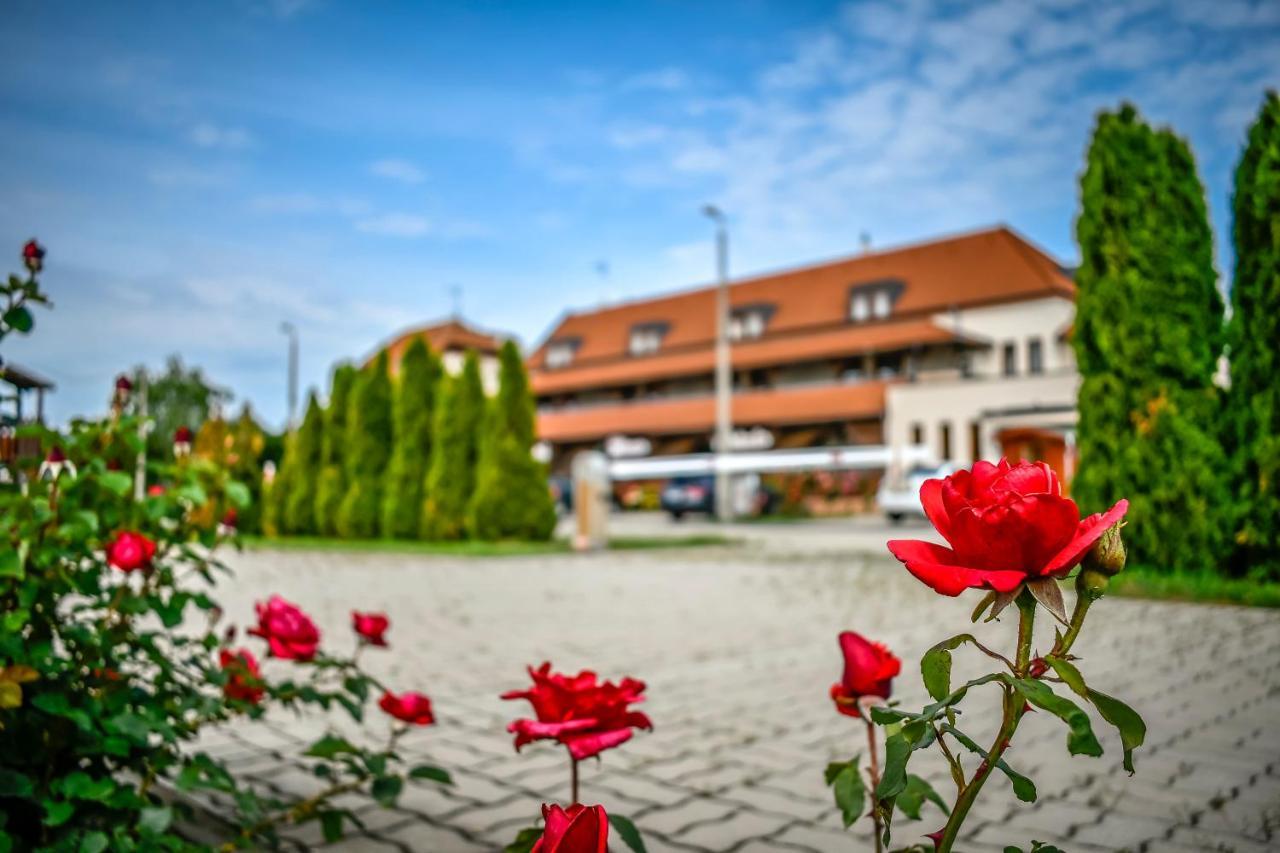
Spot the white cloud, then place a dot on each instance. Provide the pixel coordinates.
(395, 225)
(398, 170)
(309, 203)
(209, 135)
(669, 79)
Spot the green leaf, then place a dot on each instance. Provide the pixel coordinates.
(524, 840)
(238, 494)
(386, 790)
(81, 786)
(434, 774)
(117, 482)
(913, 796)
(1080, 737)
(1070, 675)
(94, 842)
(627, 832)
(1023, 788)
(58, 812)
(11, 565)
(849, 790)
(1133, 731)
(935, 666)
(331, 824)
(833, 769)
(329, 746)
(130, 725)
(19, 319)
(897, 749)
(155, 820)
(14, 784)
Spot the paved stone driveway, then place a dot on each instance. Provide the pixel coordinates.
(738, 648)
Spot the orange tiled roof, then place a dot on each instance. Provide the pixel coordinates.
(990, 266)
(771, 350)
(768, 407)
(451, 334)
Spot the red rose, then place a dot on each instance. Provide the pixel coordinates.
(130, 551)
(289, 632)
(243, 677)
(231, 518)
(869, 669)
(155, 490)
(586, 716)
(182, 435)
(33, 256)
(1006, 524)
(370, 627)
(580, 829)
(409, 707)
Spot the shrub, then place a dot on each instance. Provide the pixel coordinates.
(451, 476)
(332, 484)
(304, 463)
(368, 447)
(407, 473)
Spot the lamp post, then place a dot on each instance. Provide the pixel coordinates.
(292, 332)
(724, 375)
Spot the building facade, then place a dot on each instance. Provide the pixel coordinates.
(450, 340)
(958, 344)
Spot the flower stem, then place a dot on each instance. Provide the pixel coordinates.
(875, 780)
(573, 780)
(1008, 724)
(1073, 630)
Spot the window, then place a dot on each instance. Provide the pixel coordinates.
(944, 440)
(859, 307)
(880, 303)
(917, 433)
(1010, 359)
(646, 339)
(745, 325)
(560, 353)
(975, 441)
(1035, 356)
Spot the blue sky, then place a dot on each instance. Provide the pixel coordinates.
(202, 171)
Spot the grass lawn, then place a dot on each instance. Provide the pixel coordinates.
(1200, 588)
(471, 548)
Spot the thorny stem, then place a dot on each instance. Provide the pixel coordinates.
(573, 780)
(1013, 706)
(1063, 645)
(875, 779)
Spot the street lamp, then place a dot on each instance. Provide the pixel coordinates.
(724, 376)
(292, 331)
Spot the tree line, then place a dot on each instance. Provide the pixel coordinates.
(424, 455)
(1199, 457)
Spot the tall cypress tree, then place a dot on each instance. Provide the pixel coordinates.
(1253, 413)
(304, 472)
(1148, 333)
(368, 448)
(511, 499)
(454, 449)
(333, 483)
(414, 409)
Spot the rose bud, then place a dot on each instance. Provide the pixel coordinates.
(585, 715)
(869, 669)
(33, 256)
(54, 464)
(370, 627)
(578, 829)
(409, 707)
(182, 442)
(155, 490)
(130, 551)
(289, 632)
(1006, 525)
(244, 679)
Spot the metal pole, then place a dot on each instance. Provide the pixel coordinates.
(724, 374)
(292, 331)
(140, 463)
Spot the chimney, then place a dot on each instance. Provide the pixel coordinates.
(864, 240)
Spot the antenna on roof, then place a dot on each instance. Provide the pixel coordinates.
(602, 270)
(864, 240)
(455, 301)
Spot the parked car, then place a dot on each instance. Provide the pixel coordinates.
(899, 497)
(689, 494)
(561, 492)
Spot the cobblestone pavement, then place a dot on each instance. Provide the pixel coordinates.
(738, 648)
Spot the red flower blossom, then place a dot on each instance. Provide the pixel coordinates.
(409, 707)
(130, 551)
(289, 632)
(155, 490)
(1006, 524)
(123, 384)
(579, 829)
(182, 435)
(586, 716)
(243, 677)
(869, 669)
(33, 256)
(231, 518)
(370, 627)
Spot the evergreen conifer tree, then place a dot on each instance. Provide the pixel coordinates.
(332, 484)
(1147, 335)
(366, 451)
(304, 472)
(414, 408)
(454, 450)
(1253, 412)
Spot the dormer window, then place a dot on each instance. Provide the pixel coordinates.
(647, 338)
(560, 353)
(749, 322)
(874, 300)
